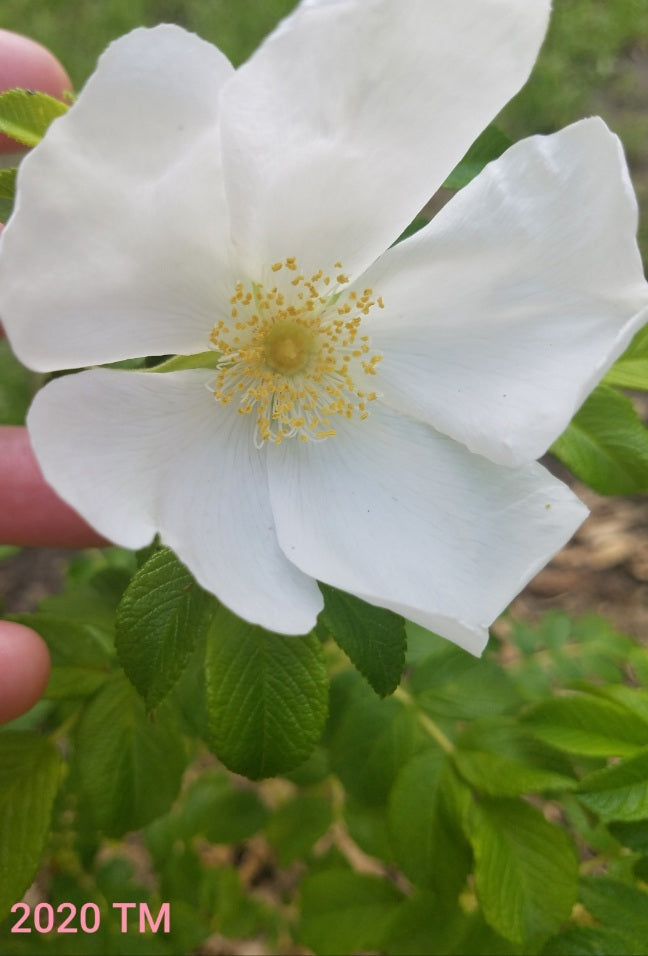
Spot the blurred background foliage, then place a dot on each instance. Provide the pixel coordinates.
(595, 59)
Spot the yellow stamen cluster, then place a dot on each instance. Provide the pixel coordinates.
(292, 355)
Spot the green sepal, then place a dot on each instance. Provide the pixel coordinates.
(160, 617)
(373, 638)
(267, 696)
(606, 444)
(25, 115)
(30, 772)
(181, 363)
(487, 147)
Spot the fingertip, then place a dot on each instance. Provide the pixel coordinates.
(26, 63)
(32, 514)
(24, 669)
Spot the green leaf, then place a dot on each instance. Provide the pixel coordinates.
(81, 660)
(634, 699)
(372, 741)
(344, 912)
(586, 941)
(428, 842)
(640, 869)
(8, 183)
(560, 649)
(313, 770)
(618, 792)
(92, 599)
(452, 683)
(25, 115)
(373, 638)
(588, 725)
(633, 835)
(631, 370)
(267, 696)
(29, 779)
(482, 938)
(220, 811)
(621, 908)
(368, 827)
(588, 830)
(230, 907)
(179, 870)
(159, 619)
(491, 144)
(606, 444)
(526, 869)
(129, 766)
(188, 696)
(424, 926)
(297, 825)
(497, 758)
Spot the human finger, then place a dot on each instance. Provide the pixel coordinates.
(32, 513)
(24, 669)
(25, 63)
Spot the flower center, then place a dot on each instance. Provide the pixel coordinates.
(288, 346)
(293, 356)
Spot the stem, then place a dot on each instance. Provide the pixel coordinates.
(426, 722)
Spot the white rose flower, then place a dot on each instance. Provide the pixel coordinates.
(363, 417)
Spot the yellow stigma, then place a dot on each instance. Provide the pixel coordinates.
(292, 355)
(288, 347)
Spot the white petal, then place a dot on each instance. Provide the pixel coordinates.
(502, 315)
(407, 519)
(137, 453)
(352, 113)
(119, 246)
